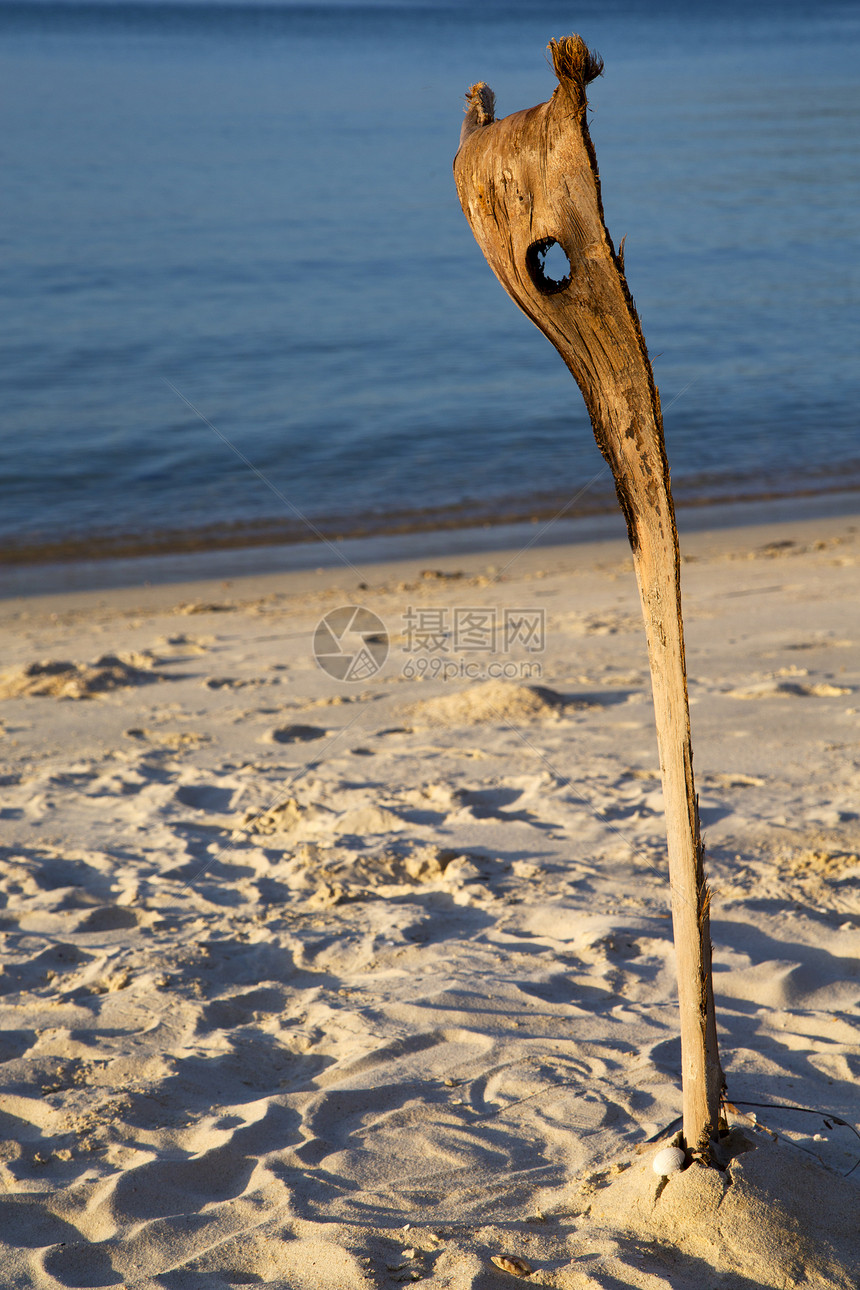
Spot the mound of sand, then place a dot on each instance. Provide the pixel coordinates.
(60, 679)
(776, 1217)
(493, 702)
(771, 689)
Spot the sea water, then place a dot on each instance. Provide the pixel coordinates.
(241, 294)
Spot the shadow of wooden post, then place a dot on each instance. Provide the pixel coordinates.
(529, 187)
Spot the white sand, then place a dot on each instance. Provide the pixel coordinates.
(321, 984)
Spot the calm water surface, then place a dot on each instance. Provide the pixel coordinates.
(254, 206)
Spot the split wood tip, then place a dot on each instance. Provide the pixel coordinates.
(480, 109)
(574, 63)
(481, 101)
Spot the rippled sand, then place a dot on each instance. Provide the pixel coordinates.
(309, 983)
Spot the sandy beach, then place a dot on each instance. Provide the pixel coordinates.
(347, 983)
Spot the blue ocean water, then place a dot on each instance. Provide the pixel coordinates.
(251, 208)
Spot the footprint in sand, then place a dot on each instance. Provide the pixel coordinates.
(163, 1187)
(296, 734)
(206, 797)
(46, 966)
(79, 1263)
(240, 1009)
(110, 918)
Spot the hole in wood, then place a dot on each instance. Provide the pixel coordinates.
(548, 265)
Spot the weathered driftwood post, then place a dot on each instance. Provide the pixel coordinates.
(526, 183)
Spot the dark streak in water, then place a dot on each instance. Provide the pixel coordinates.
(273, 533)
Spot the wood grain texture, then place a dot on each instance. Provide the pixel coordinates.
(526, 182)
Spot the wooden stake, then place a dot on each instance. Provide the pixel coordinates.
(526, 183)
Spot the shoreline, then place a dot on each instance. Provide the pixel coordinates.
(351, 554)
(591, 502)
